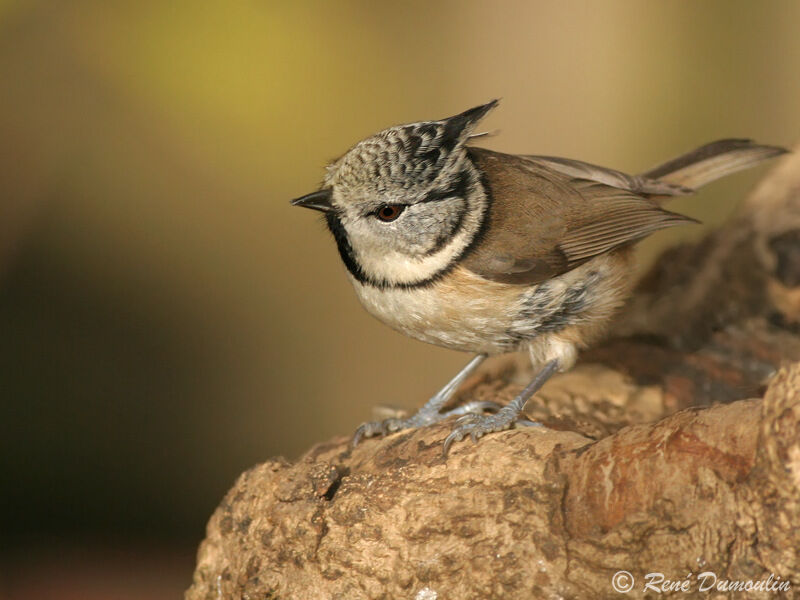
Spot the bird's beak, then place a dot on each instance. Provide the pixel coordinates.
(320, 200)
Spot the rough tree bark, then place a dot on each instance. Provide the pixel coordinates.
(673, 448)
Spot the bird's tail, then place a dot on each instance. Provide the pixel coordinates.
(711, 162)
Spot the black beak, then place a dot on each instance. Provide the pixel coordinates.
(320, 200)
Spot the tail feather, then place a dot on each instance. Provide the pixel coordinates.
(711, 162)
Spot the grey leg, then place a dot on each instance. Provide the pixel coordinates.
(478, 425)
(429, 413)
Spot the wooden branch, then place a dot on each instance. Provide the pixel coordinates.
(672, 448)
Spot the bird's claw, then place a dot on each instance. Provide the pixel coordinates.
(469, 424)
(421, 419)
(476, 426)
(373, 428)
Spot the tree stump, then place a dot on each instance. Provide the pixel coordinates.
(670, 460)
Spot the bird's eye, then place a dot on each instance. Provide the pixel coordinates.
(389, 212)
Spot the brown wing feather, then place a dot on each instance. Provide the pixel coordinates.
(544, 222)
(613, 218)
(638, 184)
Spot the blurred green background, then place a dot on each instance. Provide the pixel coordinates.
(167, 320)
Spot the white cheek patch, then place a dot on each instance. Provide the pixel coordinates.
(397, 268)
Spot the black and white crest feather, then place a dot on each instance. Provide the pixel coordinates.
(407, 156)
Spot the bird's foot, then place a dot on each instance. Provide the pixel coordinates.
(476, 426)
(421, 419)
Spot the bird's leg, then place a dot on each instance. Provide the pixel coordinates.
(429, 413)
(476, 425)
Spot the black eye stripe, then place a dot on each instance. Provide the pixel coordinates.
(458, 189)
(439, 195)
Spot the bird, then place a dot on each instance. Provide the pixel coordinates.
(490, 253)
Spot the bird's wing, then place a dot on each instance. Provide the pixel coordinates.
(638, 184)
(544, 222)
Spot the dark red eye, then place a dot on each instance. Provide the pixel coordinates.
(389, 212)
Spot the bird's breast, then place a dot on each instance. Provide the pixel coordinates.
(463, 311)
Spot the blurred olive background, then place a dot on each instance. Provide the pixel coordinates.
(167, 319)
